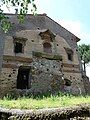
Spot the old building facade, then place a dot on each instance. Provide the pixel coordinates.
(40, 55)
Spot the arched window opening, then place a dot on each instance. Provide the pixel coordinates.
(47, 47)
(19, 44)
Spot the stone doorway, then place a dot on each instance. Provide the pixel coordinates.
(23, 77)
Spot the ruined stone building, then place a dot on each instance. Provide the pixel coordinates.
(40, 55)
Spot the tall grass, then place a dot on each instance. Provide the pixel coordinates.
(38, 102)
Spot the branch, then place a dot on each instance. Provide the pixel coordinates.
(22, 9)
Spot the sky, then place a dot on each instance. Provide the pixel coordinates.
(74, 15)
(71, 14)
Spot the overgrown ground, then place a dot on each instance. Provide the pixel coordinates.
(51, 101)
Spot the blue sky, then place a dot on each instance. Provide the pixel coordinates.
(74, 15)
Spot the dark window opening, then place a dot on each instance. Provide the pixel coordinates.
(69, 53)
(18, 47)
(23, 79)
(47, 47)
(70, 56)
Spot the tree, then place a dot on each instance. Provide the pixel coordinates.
(84, 51)
(20, 6)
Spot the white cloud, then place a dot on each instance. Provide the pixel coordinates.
(72, 26)
(7, 9)
(86, 35)
(88, 70)
(77, 28)
(40, 4)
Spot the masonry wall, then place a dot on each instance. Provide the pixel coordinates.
(8, 80)
(48, 72)
(42, 77)
(2, 41)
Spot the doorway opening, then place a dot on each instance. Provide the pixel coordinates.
(23, 78)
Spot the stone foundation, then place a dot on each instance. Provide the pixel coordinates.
(8, 80)
(45, 76)
(77, 85)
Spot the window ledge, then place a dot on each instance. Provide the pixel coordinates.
(47, 56)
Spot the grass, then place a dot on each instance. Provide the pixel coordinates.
(43, 102)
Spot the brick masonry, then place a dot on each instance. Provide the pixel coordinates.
(45, 74)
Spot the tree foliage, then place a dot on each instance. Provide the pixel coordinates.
(20, 6)
(84, 51)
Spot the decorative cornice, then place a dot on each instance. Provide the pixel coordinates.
(9, 65)
(70, 65)
(72, 71)
(47, 35)
(17, 58)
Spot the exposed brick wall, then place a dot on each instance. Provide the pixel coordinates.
(8, 80)
(45, 76)
(2, 40)
(30, 30)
